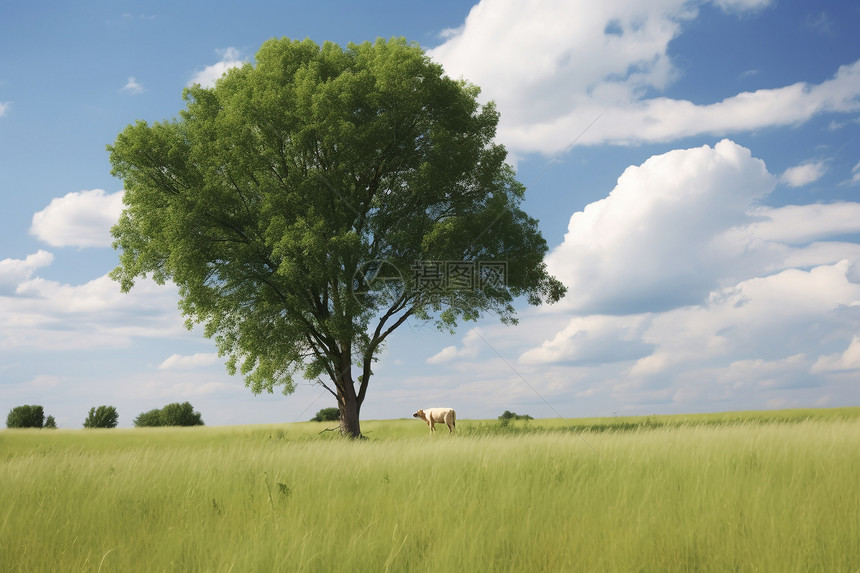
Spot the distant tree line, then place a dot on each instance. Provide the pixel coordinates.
(175, 414)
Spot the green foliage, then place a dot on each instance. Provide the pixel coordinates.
(149, 419)
(327, 415)
(507, 417)
(102, 417)
(174, 414)
(290, 202)
(183, 414)
(26, 416)
(50, 423)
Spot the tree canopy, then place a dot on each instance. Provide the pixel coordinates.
(327, 415)
(27, 416)
(173, 414)
(308, 204)
(102, 417)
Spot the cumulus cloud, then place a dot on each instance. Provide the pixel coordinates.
(802, 224)
(785, 372)
(471, 345)
(783, 331)
(840, 362)
(687, 223)
(606, 61)
(180, 362)
(782, 314)
(15, 271)
(682, 278)
(49, 315)
(653, 242)
(230, 58)
(803, 174)
(593, 339)
(79, 219)
(132, 87)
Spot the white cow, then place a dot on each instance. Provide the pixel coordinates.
(435, 416)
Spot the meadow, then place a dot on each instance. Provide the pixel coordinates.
(752, 491)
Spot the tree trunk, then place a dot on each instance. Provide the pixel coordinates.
(349, 423)
(347, 401)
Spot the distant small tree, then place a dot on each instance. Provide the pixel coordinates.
(174, 414)
(50, 423)
(102, 417)
(26, 417)
(507, 417)
(327, 415)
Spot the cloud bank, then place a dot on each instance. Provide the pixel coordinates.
(609, 61)
(694, 290)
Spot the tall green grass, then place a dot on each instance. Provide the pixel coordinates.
(742, 495)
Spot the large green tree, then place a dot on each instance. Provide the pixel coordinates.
(304, 204)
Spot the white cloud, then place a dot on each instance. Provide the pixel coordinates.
(840, 362)
(821, 23)
(472, 342)
(558, 66)
(79, 219)
(855, 177)
(713, 297)
(230, 58)
(48, 315)
(15, 271)
(783, 314)
(801, 224)
(803, 174)
(179, 362)
(741, 5)
(652, 244)
(132, 87)
(4, 107)
(446, 354)
(784, 372)
(593, 339)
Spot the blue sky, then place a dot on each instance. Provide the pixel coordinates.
(695, 166)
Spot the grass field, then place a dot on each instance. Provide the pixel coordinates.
(755, 491)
